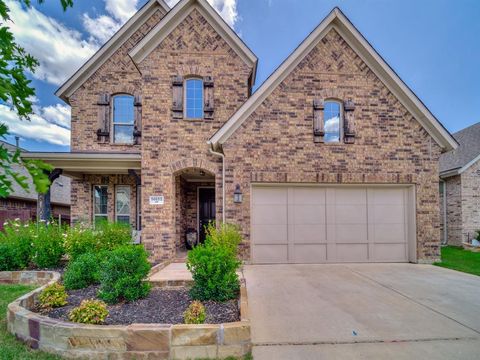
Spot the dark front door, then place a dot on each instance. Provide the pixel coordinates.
(206, 208)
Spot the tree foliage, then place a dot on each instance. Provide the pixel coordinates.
(17, 92)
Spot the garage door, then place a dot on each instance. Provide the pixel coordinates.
(329, 224)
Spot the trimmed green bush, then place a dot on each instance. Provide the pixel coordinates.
(195, 313)
(53, 296)
(122, 274)
(82, 272)
(89, 312)
(214, 264)
(48, 245)
(80, 240)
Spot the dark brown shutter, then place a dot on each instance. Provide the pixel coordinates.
(349, 122)
(103, 132)
(318, 124)
(177, 93)
(208, 103)
(137, 129)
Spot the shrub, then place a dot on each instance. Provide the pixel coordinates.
(48, 245)
(82, 272)
(53, 296)
(195, 313)
(16, 245)
(214, 264)
(106, 236)
(89, 312)
(122, 274)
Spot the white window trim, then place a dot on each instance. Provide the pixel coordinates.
(340, 123)
(113, 123)
(185, 98)
(93, 200)
(129, 202)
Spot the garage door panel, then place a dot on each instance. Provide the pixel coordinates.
(309, 195)
(270, 254)
(388, 233)
(351, 233)
(389, 252)
(309, 234)
(269, 215)
(348, 196)
(387, 214)
(351, 252)
(272, 195)
(307, 224)
(310, 254)
(306, 214)
(350, 214)
(268, 234)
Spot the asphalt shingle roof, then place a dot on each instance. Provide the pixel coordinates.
(468, 149)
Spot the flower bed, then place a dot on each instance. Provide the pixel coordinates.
(74, 340)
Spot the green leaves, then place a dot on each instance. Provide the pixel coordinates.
(16, 91)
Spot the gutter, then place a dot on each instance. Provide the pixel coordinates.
(223, 177)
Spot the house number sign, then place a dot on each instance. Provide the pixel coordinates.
(157, 200)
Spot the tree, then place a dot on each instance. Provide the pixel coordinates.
(15, 90)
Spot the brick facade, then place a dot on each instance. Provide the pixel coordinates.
(274, 145)
(463, 205)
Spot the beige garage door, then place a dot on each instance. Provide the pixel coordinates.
(310, 224)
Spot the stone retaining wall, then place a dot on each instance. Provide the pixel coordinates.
(28, 277)
(136, 341)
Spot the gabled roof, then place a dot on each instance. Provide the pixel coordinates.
(178, 13)
(338, 21)
(468, 152)
(109, 48)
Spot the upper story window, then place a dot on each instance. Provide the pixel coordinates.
(194, 98)
(333, 120)
(123, 119)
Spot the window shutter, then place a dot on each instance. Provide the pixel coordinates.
(208, 107)
(103, 132)
(318, 124)
(349, 122)
(137, 129)
(177, 93)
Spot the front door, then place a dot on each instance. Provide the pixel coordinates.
(206, 209)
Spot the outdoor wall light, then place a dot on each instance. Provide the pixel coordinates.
(237, 195)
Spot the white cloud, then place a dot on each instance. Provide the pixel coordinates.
(60, 50)
(100, 28)
(122, 10)
(37, 128)
(332, 125)
(56, 114)
(226, 8)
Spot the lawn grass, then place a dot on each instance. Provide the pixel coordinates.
(457, 258)
(10, 348)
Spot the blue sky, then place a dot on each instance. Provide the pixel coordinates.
(433, 45)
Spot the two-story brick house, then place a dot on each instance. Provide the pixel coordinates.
(331, 159)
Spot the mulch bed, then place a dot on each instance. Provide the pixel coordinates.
(161, 306)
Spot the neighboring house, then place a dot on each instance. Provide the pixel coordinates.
(22, 204)
(332, 159)
(460, 181)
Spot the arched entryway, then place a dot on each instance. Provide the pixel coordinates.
(195, 204)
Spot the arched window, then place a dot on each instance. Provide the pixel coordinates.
(333, 121)
(123, 116)
(194, 98)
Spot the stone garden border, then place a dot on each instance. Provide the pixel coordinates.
(139, 341)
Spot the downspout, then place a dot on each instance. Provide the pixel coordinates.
(444, 200)
(223, 178)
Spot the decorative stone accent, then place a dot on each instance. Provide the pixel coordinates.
(28, 277)
(136, 341)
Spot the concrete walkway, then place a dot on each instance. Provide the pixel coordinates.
(371, 311)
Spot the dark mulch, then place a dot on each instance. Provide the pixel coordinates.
(161, 306)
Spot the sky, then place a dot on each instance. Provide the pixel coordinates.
(433, 45)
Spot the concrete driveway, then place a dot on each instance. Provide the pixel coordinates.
(355, 311)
